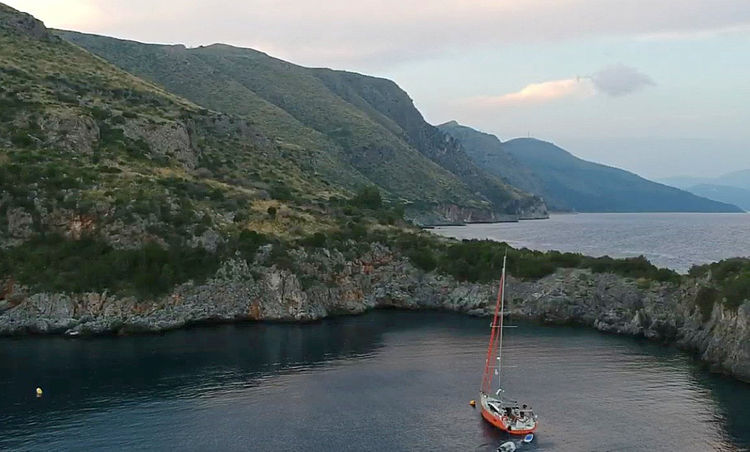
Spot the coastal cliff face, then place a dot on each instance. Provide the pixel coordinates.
(326, 283)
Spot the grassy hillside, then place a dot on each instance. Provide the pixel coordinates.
(566, 182)
(369, 123)
(109, 181)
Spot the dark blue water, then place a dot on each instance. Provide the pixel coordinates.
(673, 240)
(383, 381)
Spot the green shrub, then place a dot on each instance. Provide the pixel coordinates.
(423, 258)
(368, 198)
(737, 291)
(317, 240)
(705, 300)
(280, 257)
(248, 242)
(731, 277)
(98, 113)
(356, 230)
(21, 139)
(281, 192)
(53, 263)
(119, 119)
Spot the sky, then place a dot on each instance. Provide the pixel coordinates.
(660, 88)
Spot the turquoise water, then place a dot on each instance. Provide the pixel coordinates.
(673, 240)
(387, 380)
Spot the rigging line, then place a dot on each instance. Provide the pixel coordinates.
(487, 376)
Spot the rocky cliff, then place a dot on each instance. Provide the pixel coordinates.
(326, 283)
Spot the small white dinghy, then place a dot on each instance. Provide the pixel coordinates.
(508, 446)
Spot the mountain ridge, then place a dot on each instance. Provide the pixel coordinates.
(732, 187)
(739, 179)
(567, 182)
(368, 122)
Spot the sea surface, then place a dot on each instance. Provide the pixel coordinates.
(384, 381)
(673, 240)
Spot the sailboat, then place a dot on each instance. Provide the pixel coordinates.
(506, 414)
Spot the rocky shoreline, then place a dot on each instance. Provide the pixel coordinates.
(327, 284)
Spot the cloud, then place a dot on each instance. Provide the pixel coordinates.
(614, 80)
(619, 80)
(370, 34)
(537, 93)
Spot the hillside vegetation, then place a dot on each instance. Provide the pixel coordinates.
(366, 122)
(110, 183)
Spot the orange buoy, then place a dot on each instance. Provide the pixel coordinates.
(473, 403)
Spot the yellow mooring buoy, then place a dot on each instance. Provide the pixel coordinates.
(473, 403)
(39, 392)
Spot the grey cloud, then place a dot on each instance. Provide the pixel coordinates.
(619, 80)
(367, 34)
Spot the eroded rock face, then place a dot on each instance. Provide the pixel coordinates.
(454, 214)
(77, 133)
(20, 223)
(533, 211)
(171, 140)
(329, 284)
(24, 24)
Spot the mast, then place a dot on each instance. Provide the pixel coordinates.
(496, 337)
(500, 331)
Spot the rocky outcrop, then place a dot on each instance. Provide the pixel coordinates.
(12, 21)
(20, 223)
(170, 140)
(533, 209)
(326, 283)
(70, 132)
(453, 214)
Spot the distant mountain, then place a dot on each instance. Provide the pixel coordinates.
(566, 182)
(733, 188)
(367, 123)
(731, 195)
(738, 179)
(684, 182)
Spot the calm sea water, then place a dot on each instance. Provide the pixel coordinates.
(385, 381)
(673, 240)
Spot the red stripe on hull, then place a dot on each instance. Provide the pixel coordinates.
(492, 419)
